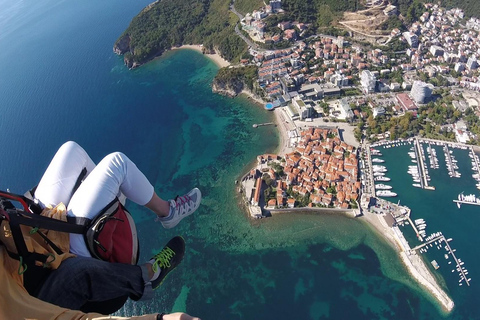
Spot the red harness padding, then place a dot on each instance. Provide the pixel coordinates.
(112, 236)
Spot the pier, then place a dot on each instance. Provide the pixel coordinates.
(421, 165)
(460, 269)
(370, 181)
(414, 228)
(432, 157)
(256, 125)
(450, 163)
(475, 159)
(466, 202)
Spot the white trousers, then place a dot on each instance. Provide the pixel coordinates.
(114, 175)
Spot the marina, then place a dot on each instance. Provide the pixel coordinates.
(418, 152)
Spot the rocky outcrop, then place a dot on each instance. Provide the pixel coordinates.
(130, 63)
(224, 91)
(122, 45)
(230, 88)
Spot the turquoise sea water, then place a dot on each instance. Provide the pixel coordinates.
(59, 81)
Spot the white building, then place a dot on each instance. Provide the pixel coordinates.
(390, 10)
(304, 111)
(421, 91)
(339, 80)
(436, 51)
(461, 132)
(340, 41)
(395, 86)
(258, 15)
(406, 85)
(311, 91)
(368, 81)
(345, 110)
(472, 63)
(411, 38)
(459, 67)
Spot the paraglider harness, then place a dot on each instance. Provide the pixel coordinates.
(111, 236)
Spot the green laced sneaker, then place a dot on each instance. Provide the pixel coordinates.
(167, 260)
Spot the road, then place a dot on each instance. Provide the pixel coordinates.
(239, 33)
(252, 44)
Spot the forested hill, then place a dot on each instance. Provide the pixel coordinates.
(169, 23)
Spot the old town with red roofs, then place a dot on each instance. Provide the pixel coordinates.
(321, 165)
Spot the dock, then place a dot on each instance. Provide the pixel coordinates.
(460, 269)
(371, 181)
(467, 202)
(421, 165)
(475, 159)
(414, 228)
(256, 125)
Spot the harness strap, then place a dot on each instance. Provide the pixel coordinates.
(23, 254)
(79, 181)
(33, 220)
(50, 242)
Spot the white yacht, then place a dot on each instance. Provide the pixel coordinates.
(386, 193)
(382, 186)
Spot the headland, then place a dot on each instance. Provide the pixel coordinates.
(296, 159)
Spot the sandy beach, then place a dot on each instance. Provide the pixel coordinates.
(282, 126)
(215, 57)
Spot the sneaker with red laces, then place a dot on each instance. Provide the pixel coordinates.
(181, 207)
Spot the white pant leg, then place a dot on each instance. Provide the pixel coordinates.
(62, 173)
(115, 173)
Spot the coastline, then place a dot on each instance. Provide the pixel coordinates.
(283, 144)
(414, 265)
(215, 57)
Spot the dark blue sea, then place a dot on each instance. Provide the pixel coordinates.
(60, 81)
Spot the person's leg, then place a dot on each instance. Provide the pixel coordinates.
(82, 283)
(115, 173)
(62, 173)
(79, 280)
